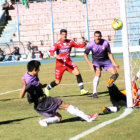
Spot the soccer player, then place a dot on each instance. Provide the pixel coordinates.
(118, 98)
(102, 58)
(63, 62)
(47, 106)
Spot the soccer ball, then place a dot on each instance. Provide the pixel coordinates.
(117, 23)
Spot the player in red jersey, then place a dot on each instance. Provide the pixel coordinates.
(63, 62)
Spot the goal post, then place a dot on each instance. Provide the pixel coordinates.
(126, 58)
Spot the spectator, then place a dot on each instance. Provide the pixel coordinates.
(29, 47)
(1, 54)
(15, 54)
(36, 52)
(6, 8)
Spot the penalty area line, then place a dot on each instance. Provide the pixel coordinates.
(126, 112)
(10, 91)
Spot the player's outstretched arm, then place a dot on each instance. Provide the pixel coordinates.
(88, 61)
(23, 90)
(113, 60)
(78, 45)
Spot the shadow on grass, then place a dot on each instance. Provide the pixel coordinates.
(104, 113)
(73, 119)
(104, 92)
(74, 95)
(2, 100)
(89, 94)
(16, 120)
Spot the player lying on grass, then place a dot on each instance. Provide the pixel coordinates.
(47, 106)
(118, 98)
(102, 58)
(63, 62)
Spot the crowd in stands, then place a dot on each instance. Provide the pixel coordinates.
(15, 55)
(35, 53)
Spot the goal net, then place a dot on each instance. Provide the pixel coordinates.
(133, 25)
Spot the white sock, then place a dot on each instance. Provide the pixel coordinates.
(81, 85)
(113, 108)
(95, 84)
(75, 111)
(52, 120)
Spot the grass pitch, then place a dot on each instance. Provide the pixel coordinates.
(19, 121)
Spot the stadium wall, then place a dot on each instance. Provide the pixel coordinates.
(35, 21)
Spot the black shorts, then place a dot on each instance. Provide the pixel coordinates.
(116, 97)
(48, 106)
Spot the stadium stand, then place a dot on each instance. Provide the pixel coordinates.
(36, 20)
(7, 28)
(8, 32)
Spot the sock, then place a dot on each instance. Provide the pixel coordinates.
(113, 108)
(51, 85)
(75, 111)
(52, 120)
(112, 79)
(80, 81)
(95, 84)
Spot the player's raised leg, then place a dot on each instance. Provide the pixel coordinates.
(58, 76)
(56, 117)
(114, 76)
(76, 72)
(77, 112)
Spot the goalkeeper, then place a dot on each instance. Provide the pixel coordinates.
(118, 98)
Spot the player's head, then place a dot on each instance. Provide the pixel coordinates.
(33, 66)
(97, 36)
(63, 34)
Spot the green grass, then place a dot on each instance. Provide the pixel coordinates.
(18, 120)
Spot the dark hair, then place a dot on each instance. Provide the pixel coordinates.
(33, 64)
(63, 30)
(97, 32)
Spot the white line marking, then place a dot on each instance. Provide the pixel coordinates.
(10, 91)
(93, 129)
(60, 85)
